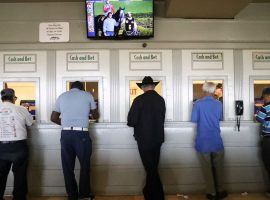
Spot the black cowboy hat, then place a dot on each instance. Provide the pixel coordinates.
(147, 80)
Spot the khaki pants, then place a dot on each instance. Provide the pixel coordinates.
(212, 168)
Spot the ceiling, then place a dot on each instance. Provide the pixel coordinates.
(189, 9)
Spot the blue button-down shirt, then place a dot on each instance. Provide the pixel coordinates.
(75, 106)
(207, 112)
(109, 24)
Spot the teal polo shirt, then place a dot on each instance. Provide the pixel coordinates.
(75, 106)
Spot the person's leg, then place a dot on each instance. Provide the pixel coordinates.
(83, 151)
(19, 168)
(219, 174)
(219, 169)
(68, 157)
(4, 170)
(205, 160)
(265, 152)
(153, 189)
(157, 186)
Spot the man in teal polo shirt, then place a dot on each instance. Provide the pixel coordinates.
(206, 113)
(75, 107)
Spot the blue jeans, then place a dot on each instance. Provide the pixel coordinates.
(76, 143)
(109, 33)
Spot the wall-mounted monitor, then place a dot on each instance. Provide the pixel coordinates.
(119, 19)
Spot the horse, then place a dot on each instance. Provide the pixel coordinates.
(119, 17)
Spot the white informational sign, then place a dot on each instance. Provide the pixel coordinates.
(209, 61)
(261, 60)
(145, 61)
(83, 61)
(54, 32)
(20, 62)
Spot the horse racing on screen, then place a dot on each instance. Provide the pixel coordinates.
(119, 18)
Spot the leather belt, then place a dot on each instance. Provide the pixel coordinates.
(12, 142)
(75, 128)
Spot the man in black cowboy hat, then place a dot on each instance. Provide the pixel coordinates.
(147, 115)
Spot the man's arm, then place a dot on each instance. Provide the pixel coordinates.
(95, 114)
(133, 114)
(261, 115)
(105, 27)
(28, 117)
(194, 114)
(55, 117)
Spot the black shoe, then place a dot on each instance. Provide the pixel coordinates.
(211, 197)
(222, 195)
(267, 193)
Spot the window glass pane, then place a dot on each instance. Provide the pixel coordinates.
(259, 85)
(135, 91)
(25, 93)
(91, 87)
(198, 93)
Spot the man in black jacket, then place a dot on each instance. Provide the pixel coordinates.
(147, 115)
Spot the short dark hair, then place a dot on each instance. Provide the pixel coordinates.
(219, 86)
(7, 98)
(78, 85)
(266, 91)
(7, 94)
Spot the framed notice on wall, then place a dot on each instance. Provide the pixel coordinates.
(54, 32)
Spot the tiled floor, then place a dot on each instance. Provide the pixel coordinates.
(244, 196)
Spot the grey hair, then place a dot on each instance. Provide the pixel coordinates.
(209, 87)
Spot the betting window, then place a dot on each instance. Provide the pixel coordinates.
(26, 95)
(135, 91)
(198, 92)
(92, 87)
(259, 86)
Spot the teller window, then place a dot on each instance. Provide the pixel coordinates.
(259, 86)
(25, 93)
(91, 87)
(135, 91)
(198, 92)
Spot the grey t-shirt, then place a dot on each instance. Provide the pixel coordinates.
(75, 106)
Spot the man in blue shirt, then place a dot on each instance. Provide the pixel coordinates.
(75, 107)
(109, 25)
(263, 116)
(206, 113)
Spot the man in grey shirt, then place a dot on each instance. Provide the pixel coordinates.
(75, 107)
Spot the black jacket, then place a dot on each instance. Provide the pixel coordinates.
(147, 116)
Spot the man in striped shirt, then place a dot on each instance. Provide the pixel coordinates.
(263, 116)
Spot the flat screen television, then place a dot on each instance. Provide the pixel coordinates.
(119, 19)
